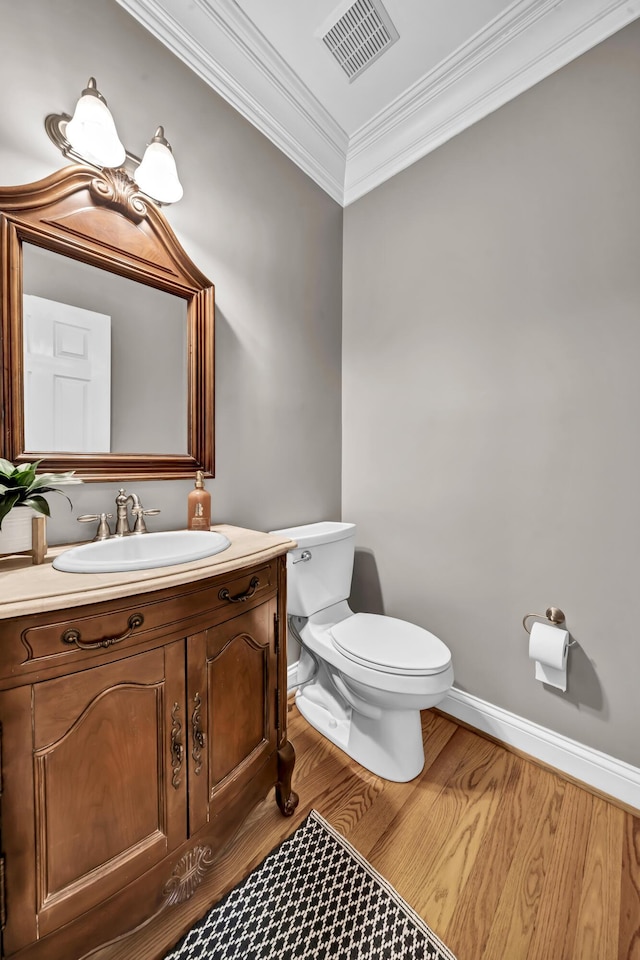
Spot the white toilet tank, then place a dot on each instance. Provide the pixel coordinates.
(319, 571)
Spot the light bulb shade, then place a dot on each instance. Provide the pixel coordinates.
(157, 175)
(92, 132)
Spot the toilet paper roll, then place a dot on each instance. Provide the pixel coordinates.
(549, 646)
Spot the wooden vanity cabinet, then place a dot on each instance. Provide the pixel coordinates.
(127, 766)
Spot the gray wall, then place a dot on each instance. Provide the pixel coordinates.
(491, 392)
(259, 228)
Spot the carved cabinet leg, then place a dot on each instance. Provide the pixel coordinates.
(286, 799)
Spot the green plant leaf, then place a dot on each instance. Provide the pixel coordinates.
(7, 503)
(47, 479)
(26, 473)
(21, 486)
(39, 504)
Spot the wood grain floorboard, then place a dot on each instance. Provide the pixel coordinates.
(395, 796)
(504, 859)
(416, 831)
(513, 926)
(629, 946)
(598, 925)
(557, 916)
(476, 806)
(468, 928)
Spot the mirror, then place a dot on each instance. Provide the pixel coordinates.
(105, 360)
(107, 333)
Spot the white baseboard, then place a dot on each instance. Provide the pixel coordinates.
(292, 676)
(604, 773)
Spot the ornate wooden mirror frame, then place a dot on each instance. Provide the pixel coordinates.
(99, 218)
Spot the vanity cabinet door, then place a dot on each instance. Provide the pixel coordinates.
(94, 786)
(232, 700)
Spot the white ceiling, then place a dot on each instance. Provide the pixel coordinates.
(454, 62)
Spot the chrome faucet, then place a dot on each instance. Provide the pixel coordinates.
(122, 516)
(123, 528)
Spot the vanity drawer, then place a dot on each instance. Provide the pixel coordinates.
(84, 632)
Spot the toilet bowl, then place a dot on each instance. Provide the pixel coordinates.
(362, 678)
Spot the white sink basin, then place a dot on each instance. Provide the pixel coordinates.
(142, 551)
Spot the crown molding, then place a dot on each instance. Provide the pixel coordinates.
(224, 49)
(528, 42)
(532, 40)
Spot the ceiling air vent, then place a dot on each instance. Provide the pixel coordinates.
(360, 36)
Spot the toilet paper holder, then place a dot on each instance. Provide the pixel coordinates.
(554, 616)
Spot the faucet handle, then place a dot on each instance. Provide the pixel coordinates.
(103, 531)
(140, 513)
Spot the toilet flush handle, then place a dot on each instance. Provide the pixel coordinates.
(304, 556)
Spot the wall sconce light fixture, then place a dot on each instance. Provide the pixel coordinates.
(90, 136)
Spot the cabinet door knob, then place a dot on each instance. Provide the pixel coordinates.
(74, 636)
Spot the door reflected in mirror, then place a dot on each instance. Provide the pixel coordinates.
(105, 360)
(67, 377)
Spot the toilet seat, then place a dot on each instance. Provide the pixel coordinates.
(390, 645)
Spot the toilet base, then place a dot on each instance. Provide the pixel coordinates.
(390, 745)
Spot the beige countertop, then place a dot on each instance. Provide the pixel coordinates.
(27, 588)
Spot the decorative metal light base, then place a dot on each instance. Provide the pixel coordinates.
(56, 125)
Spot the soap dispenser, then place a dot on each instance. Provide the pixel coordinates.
(199, 506)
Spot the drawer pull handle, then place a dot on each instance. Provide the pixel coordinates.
(240, 597)
(73, 636)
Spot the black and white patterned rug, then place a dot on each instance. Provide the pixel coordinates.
(313, 898)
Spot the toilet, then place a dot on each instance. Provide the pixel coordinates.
(362, 678)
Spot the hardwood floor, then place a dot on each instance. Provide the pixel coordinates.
(503, 859)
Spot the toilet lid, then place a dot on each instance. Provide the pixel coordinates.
(390, 645)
